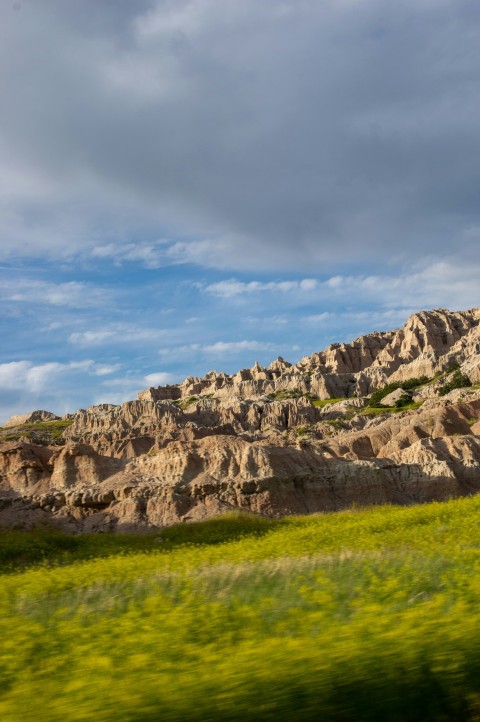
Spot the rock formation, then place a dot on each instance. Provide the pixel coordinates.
(30, 418)
(278, 440)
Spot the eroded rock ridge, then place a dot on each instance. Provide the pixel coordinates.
(288, 438)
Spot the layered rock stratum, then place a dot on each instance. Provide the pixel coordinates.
(285, 439)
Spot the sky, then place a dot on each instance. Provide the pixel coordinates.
(189, 185)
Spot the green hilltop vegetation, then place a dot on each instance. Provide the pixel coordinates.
(369, 614)
(49, 432)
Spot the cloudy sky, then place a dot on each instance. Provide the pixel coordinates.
(197, 184)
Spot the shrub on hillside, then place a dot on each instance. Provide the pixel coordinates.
(408, 385)
(457, 380)
(404, 400)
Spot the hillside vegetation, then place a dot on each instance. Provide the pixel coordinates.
(49, 432)
(361, 615)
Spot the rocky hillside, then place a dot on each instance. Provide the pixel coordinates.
(390, 417)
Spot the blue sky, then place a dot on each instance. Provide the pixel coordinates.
(199, 184)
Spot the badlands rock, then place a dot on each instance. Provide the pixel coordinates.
(391, 399)
(255, 441)
(24, 468)
(193, 480)
(136, 427)
(400, 431)
(30, 418)
(428, 343)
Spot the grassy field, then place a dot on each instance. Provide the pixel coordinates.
(362, 615)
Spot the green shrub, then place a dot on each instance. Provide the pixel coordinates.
(384, 410)
(403, 401)
(286, 394)
(457, 380)
(409, 384)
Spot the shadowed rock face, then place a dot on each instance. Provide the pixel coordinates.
(255, 441)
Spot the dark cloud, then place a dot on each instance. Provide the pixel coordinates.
(271, 135)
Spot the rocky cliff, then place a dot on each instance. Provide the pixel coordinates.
(278, 440)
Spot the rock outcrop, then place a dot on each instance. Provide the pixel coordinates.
(30, 418)
(273, 440)
(429, 343)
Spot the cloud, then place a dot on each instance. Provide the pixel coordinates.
(451, 285)
(124, 388)
(254, 135)
(317, 318)
(54, 386)
(150, 255)
(30, 377)
(216, 351)
(90, 338)
(233, 347)
(118, 334)
(62, 387)
(232, 287)
(75, 294)
(106, 369)
(159, 378)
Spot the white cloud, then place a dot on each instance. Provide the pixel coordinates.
(54, 386)
(90, 338)
(318, 317)
(160, 378)
(117, 334)
(448, 283)
(232, 287)
(30, 377)
(218, 349)
(124, 388)
(233, 347)
(74, 294)
(150, 255)
(106, 369)
(14, 374)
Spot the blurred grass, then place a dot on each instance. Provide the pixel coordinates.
(361, 615)
(48, 547)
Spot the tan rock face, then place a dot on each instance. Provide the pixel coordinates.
(30, 418)
(253, 440)
(391, 399)
(24, 467)
(429, 342)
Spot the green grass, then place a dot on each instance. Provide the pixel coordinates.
(324, 402)
(48, 430)
(361, 615)
(303, 430)
(48, 547)
(188, 402)
(339, 424)
(383, 410)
